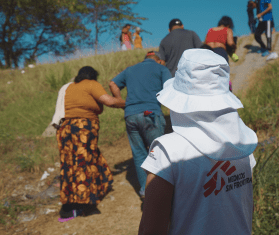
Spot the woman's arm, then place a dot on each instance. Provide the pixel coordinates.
(113, 102)
(230, 40)
(157, 206)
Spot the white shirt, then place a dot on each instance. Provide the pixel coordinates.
(210, 197)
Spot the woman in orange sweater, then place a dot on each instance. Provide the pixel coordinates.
(85, 177)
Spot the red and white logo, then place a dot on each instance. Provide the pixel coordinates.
(211, 185)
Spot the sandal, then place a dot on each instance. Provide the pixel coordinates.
(73, 214)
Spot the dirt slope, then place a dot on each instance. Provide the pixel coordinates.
(121, 208)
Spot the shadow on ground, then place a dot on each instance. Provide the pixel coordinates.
(251, 48)
(129, 165)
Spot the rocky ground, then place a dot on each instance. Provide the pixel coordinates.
(121, 208)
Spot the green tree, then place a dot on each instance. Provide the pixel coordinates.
(30, 28)
(107, 15)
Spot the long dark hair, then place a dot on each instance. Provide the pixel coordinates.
(225, 20)
(86, 72)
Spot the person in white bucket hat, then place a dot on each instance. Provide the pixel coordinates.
(200, 176)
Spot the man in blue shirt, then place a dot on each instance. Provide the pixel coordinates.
(143, 115)
(264, 14)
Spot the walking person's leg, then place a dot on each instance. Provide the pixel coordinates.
(138, 148)
(268, 34)
(153, 127)
(258, 35)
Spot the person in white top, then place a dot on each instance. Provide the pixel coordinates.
(200, 176)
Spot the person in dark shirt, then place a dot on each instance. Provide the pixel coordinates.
(251, 18)
(176, 42)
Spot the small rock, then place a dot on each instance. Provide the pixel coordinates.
(14, 195)
(50, 169)
(31, 66)
(67, 226)
(28, 187)
(49, 211)
(25, 217)
(112, 198)
(7, 204)
(20, 178)
(9, 82)
(24, 198)
(41, 184)
(57, 164)
(22, 71)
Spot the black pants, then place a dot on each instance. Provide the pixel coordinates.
(222, 52)
(264, 26)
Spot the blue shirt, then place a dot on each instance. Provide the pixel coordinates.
(263, 4)
(143, 81)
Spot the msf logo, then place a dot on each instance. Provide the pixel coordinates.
(211, 185)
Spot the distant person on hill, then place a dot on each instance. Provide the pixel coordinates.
(199, 178)
(219, 37)
(264, 15)
(137, 38)
(85, 177)
(143, 115)
(176, 42)
(126, 38)
(251, 18)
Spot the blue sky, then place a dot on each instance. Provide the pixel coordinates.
(196, 15)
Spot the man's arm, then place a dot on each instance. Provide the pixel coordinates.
(268, 9)
(157, 206)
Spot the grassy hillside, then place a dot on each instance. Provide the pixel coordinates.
(27, 103)
(261, 113)
(28, 99)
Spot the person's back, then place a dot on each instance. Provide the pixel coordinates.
(210, 196)
(143, 81)
(203, 168)
(176, 42)
(143, 115)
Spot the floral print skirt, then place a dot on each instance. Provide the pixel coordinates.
(85, 177)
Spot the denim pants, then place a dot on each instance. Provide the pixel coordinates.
(142, 130)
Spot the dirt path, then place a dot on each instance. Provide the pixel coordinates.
(121, 208)
(249, 60)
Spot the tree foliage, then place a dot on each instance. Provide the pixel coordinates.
(30, 28)
(107, 15)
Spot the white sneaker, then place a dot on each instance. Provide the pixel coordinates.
(272, 56)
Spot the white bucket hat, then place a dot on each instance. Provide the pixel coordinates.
(201, 83)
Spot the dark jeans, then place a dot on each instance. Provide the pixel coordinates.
(264, 26)
(222, 52)
(252, 26)
(142, 130)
